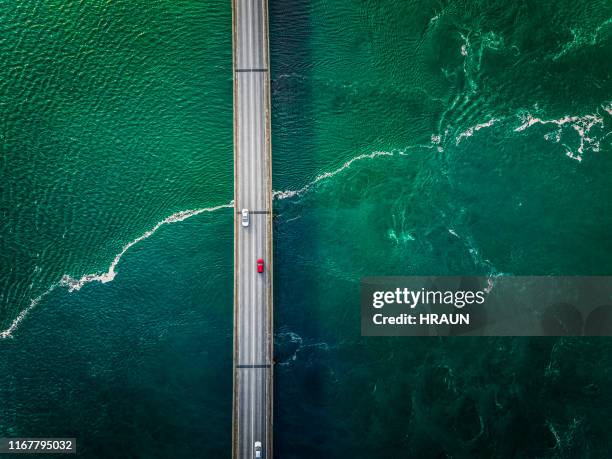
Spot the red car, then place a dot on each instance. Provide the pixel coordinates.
(260, 265)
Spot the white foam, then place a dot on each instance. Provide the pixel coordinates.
(8, 332)
(581, 124)
(469, 132)
(291, 193)
(570, 154)
(75, 284)
(530, 120)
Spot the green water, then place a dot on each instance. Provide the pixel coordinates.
(408, 138)
(413, 80)
(114, 116)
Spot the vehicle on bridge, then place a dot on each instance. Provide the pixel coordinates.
(245, 217)
(260, 265)
(257, 449)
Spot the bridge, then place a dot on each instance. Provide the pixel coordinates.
(253, 325)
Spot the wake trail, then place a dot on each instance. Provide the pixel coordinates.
(76, 284)
(8, 332)
(73, 284)
(292, 193)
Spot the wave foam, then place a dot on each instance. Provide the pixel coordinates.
(581, 124)
(75, 284)
(469, 132)
(8, 332)
(291, 193)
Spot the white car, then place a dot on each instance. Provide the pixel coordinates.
(245, 217)
(257, 449)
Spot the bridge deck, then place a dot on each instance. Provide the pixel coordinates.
(253, 335)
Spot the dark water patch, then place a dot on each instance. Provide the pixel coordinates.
(139, 367)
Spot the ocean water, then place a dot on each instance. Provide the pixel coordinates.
(408, 138)
(470, 137)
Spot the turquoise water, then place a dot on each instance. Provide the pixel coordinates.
(481, 138)
(408, 138)
(115, 115)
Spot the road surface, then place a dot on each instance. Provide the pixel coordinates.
(253, 334)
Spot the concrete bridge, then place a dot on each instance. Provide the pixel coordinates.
(253, 324)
